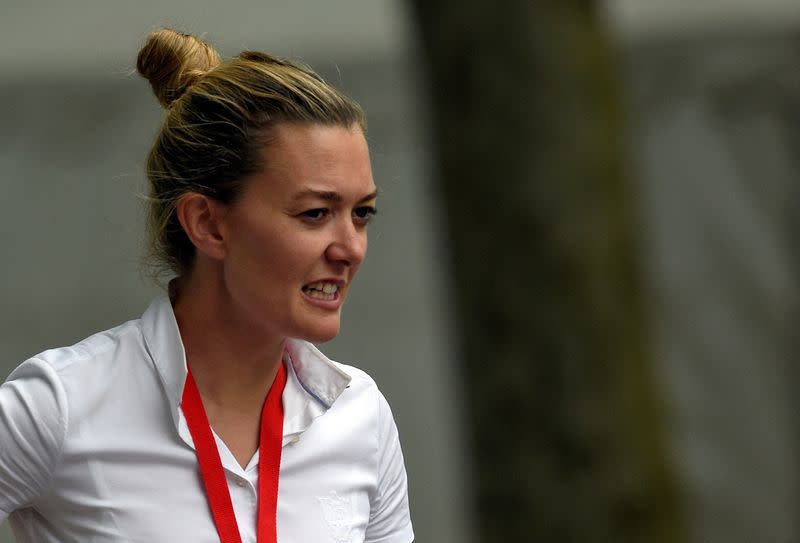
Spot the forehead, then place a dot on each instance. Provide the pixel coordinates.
(312, 153)
(300, 158)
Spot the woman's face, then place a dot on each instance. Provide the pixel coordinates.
(298, 233)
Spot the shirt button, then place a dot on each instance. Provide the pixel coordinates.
(240, 482)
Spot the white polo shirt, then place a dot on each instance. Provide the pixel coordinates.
(94, 447)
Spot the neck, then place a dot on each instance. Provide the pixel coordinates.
(232, 362)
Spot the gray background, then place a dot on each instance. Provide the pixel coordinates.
(713, 116)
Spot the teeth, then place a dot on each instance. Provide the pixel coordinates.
(323, 291)
(321, 295)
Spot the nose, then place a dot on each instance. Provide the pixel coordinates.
(349, 243)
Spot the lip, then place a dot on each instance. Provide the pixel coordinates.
(333, 304)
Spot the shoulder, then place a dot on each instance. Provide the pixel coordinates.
(93, 350)
(358, 377)
(39, 403)
(47, 398)
(364, 386)
(76, 374)
(365, 393)
(349, 394)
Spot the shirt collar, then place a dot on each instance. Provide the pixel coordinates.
(313, 384)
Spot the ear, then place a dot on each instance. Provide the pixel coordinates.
(201, 217)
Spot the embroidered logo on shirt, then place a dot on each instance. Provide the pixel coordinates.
(338, 513)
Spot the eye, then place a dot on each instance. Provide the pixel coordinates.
(314, 215)
(363, 214)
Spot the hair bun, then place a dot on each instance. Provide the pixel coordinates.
(172, 61)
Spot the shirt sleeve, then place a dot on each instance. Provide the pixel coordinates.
(33, 421)
(390, 519)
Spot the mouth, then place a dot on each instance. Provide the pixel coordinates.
(322, 290)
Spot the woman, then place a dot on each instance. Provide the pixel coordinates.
(212, 418)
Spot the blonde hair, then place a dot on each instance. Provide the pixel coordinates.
(218, 116)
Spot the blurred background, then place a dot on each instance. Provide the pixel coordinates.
(582, 284)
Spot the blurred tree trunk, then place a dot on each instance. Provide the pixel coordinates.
(566, 430)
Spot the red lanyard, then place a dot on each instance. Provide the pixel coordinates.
(269, 462)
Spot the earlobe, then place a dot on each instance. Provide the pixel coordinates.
(200, 216)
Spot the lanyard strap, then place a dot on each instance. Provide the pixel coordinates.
(269, 462)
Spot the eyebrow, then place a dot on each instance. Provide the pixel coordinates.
(330, 196)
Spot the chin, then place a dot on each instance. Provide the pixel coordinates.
(320, 334)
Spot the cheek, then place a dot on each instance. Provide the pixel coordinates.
(253, 259)
(277, 257)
